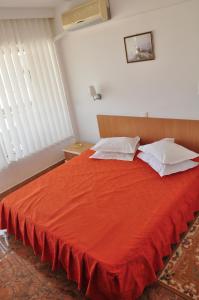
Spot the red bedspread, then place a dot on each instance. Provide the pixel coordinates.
(108, 223)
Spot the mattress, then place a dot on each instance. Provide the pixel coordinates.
(108, 223)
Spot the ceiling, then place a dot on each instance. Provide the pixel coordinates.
(31, 3)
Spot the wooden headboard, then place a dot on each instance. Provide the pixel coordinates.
(185, 132)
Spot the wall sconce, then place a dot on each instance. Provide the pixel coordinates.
(94, 94)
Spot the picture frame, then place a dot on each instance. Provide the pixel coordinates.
(139, 47)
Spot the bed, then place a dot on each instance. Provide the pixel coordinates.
(108, 223)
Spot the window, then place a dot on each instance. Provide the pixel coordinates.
(33, 107)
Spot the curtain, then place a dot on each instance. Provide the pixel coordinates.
(33, 107)
(3, 161)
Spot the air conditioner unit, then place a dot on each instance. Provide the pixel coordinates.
(90, 12)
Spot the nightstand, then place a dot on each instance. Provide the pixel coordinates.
(76, 149)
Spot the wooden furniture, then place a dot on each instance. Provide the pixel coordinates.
(76, 149)
(185, 132)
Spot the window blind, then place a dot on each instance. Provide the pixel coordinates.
(33, 106)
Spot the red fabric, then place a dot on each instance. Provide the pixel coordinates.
(109, 223)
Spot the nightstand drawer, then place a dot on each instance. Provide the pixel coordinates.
(69, 156)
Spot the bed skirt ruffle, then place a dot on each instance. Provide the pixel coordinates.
(99, 280)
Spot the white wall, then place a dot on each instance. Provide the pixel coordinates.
(165, 87)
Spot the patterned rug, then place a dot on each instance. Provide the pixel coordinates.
(24, 277)
(181, 274)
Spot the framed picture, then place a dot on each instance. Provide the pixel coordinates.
(139, 47)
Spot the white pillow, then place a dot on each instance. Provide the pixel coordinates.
(117, 144)
(165, 169)
(113, 155)
(168, 153)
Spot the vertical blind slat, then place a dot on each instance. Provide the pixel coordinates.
(27, 92)
(39, 78)
(16, 71)
(62, 106)
(36, 92)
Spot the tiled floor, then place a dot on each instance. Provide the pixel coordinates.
(23, 277)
